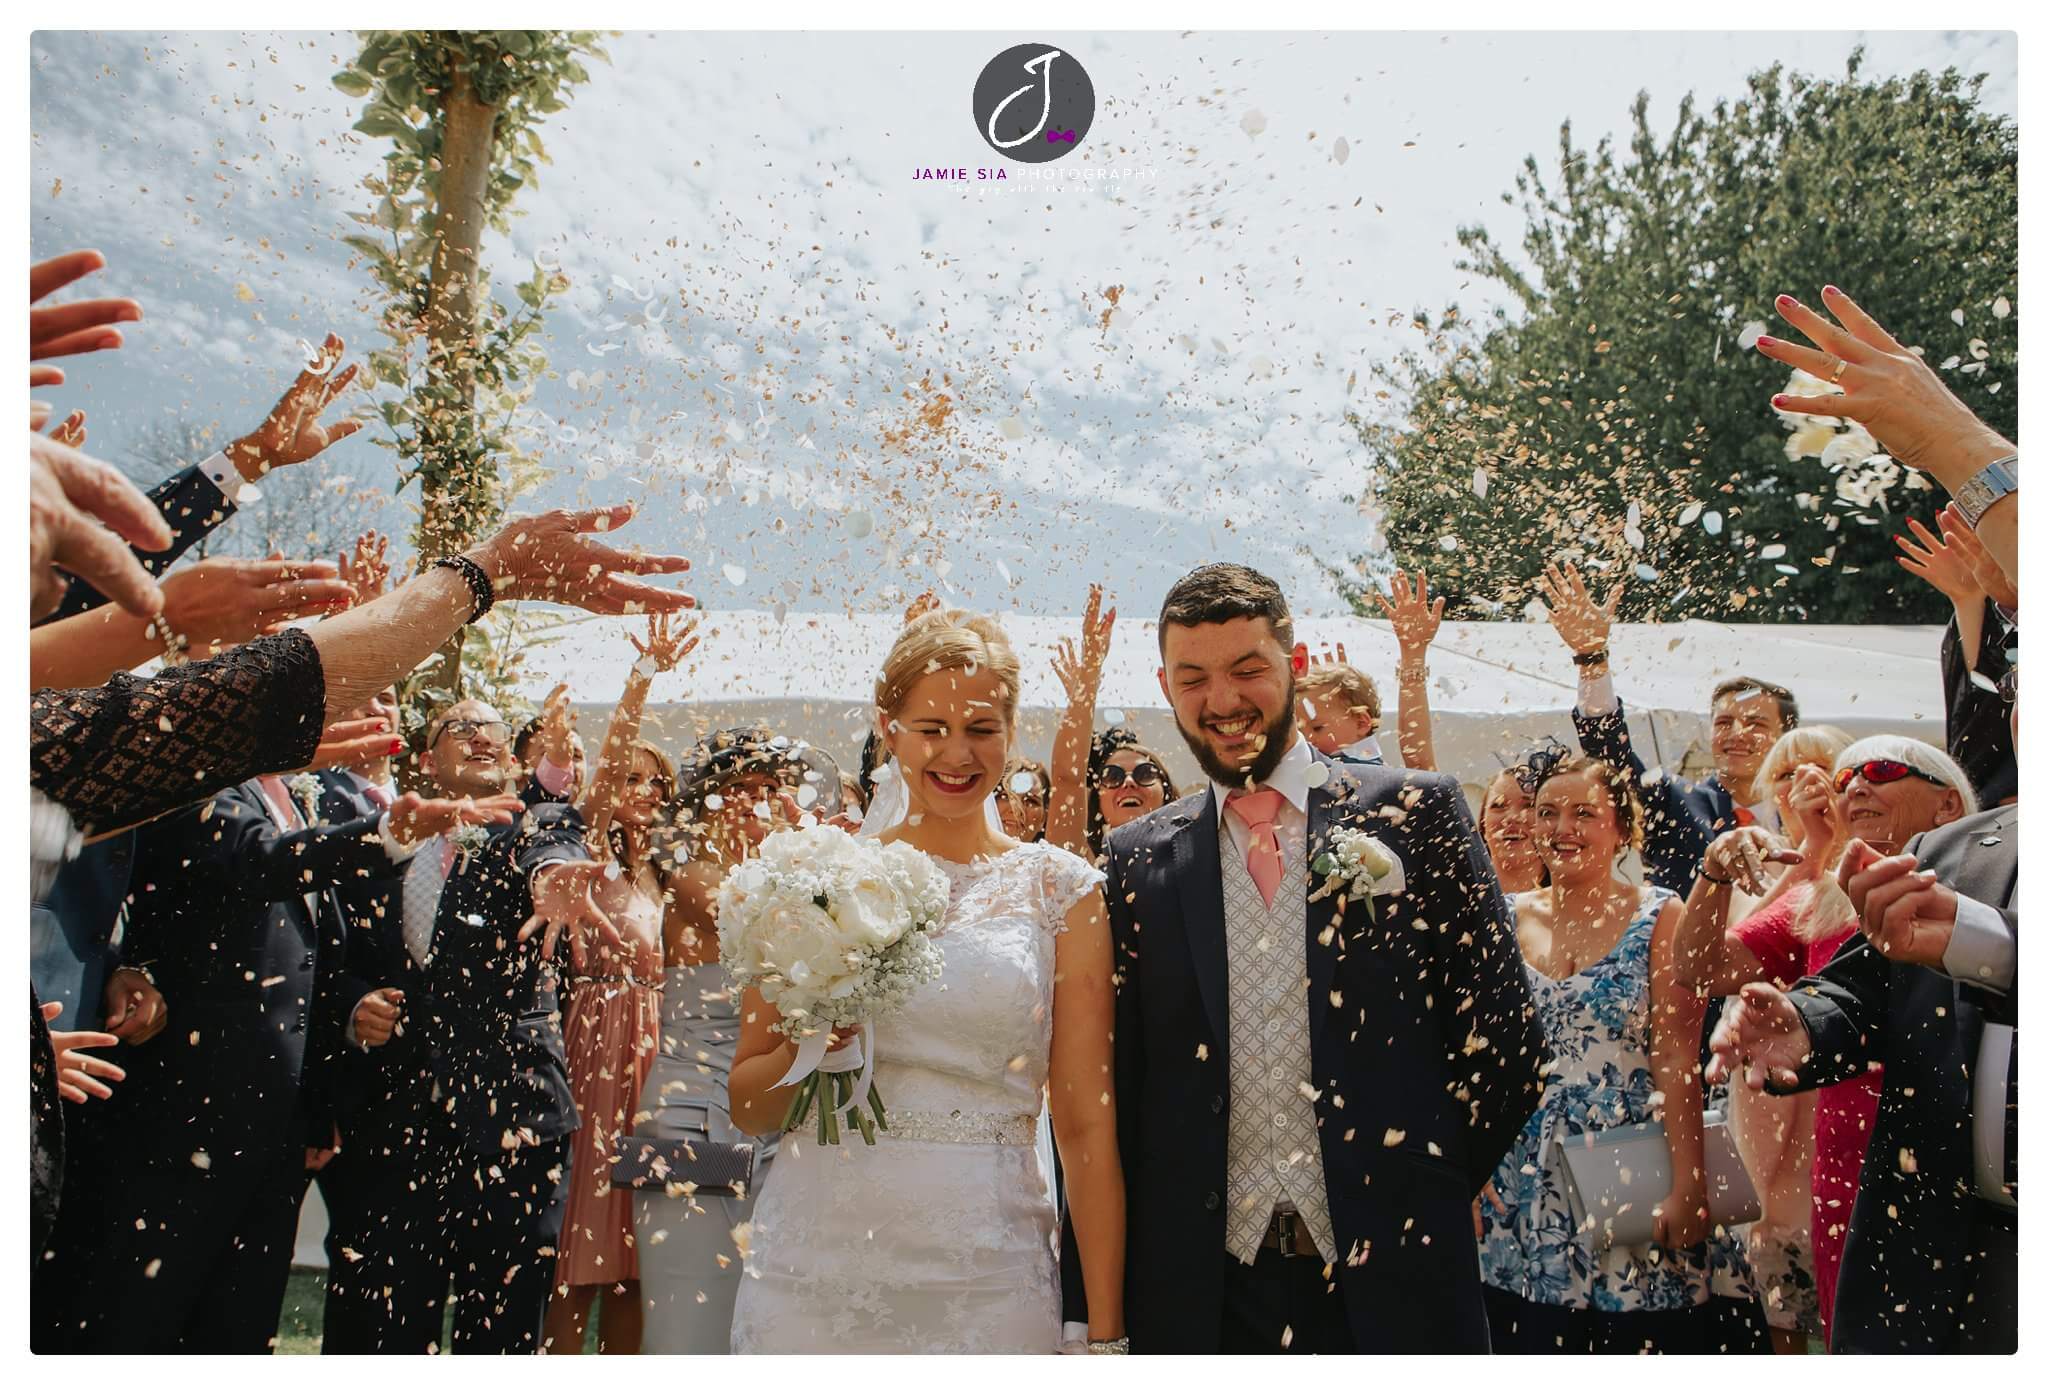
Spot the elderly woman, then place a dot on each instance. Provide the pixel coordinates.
(1883, 790)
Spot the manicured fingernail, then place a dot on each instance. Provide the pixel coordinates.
(1831, 289)
(397, 747)
(1786, 300)
(1766, 341)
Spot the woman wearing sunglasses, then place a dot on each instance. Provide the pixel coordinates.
(1883, 790)
(1126, 780)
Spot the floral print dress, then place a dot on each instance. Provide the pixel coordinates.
(1598, 1024)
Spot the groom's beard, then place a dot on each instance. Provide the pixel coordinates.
(1279, 735)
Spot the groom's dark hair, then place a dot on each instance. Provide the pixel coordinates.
(1225, 591)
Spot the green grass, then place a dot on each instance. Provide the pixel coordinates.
(298, 1327)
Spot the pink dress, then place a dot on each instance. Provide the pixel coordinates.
(611, 1031)
(1843, 1114)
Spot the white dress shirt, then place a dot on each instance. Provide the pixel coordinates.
(1983, 953)
(1290, 777)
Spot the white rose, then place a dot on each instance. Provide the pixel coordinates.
(868, 909)
(803, 943)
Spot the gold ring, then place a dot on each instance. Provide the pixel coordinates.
(1840, 366)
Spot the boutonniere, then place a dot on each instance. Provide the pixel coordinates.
(468, 840)
(1358, 865)
(306, 788)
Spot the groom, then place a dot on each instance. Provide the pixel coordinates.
(1308, 1097)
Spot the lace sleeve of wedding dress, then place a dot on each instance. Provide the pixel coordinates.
(1064, 880)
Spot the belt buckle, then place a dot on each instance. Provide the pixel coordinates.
(1285, 1225)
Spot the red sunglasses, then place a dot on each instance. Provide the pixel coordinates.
(1882, 772)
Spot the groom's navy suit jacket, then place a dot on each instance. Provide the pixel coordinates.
(1425, 1051)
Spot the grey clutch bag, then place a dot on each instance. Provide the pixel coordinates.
(707, 1167)
(1615, 1179)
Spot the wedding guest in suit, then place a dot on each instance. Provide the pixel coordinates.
(1585, 944)
(1309, 1094)
(1880, 791)
(1747, 716)
(1929, 989)
(612, 1024)
(202, 1161)
(1339, 710)
(463, 1130)
(690, 1263)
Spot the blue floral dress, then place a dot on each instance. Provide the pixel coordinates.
(1598, 1025)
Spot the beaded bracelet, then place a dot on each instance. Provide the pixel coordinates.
(480, 593)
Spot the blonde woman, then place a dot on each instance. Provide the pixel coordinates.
(939, 1238)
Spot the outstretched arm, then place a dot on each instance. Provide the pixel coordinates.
(1066, 811)
(1416, 620)
(663, 650)
(1083, 1103)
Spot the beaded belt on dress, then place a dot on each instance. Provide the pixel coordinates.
(963, 1127)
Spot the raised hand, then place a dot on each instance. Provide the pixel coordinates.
(924, 605)
(78, 1072)
(414, 819)
(1812, 800)
(1895, 394)
(355, 741)
(1741, 854)
(1907, 913)
(1761, 1033)
(1328, 658)
(1410, 612)
(563, 902)
(223, 601)
(292, 432)
(370, 569)
(664, 648)
(552, 557)
(1080, 672)
(558, 727)
(71, 432)
(1934, 561)
(71, 329)
(83, 515)
(1582, 623)
(1963, 541)
(134, 1007)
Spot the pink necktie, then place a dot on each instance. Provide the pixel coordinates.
(281, 799)
(1257, 810)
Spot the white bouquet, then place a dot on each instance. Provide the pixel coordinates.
(1358, 865)
(835, 931)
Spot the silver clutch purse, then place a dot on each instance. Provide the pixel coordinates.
(1615, 1179)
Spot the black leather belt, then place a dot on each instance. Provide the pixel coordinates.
(1286, 1234)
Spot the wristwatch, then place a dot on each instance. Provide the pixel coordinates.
(1989, 486)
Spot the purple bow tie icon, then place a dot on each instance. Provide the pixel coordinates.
(1055, 136)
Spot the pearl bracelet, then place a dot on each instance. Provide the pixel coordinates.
(1120, 1347)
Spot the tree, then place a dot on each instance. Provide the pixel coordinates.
(1616, 414)
(462, 109)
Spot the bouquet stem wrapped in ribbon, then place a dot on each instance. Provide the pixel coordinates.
(835, 932)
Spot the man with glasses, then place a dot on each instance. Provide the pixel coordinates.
(462, 1118)
(1930, 989)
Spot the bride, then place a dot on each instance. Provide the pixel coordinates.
(940, 1237)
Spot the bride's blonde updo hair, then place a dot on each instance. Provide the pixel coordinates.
(949, 639)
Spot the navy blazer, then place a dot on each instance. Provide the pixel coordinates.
(1425, 1050)
(1904, 1271)
(71, 929)
(191, 504)
(220, 916)
(480, 1033)
(1680, 818)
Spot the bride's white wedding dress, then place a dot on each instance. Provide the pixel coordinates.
(942, 1237)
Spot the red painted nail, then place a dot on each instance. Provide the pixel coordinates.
(397, 748)
(1831, 289)
(1766, 341)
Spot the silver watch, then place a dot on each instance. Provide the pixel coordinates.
(1989, 486)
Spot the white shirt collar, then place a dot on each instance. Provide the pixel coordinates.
(1367, 749)
(1290, 777)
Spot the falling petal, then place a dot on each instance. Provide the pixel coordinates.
(1012, 428)
(859, 524)
(1957, 317)
(1113, 715)
(1343, 152)
(1254, 123)
(1711, 521)
(735, 574)
(1750, 332)
(2001, 306)
(1479, 482)
(1316, 775)
(1646, 572)
(1690, 513)
(1772, 550)
(1448, 543)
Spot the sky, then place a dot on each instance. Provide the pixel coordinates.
(831, 383)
